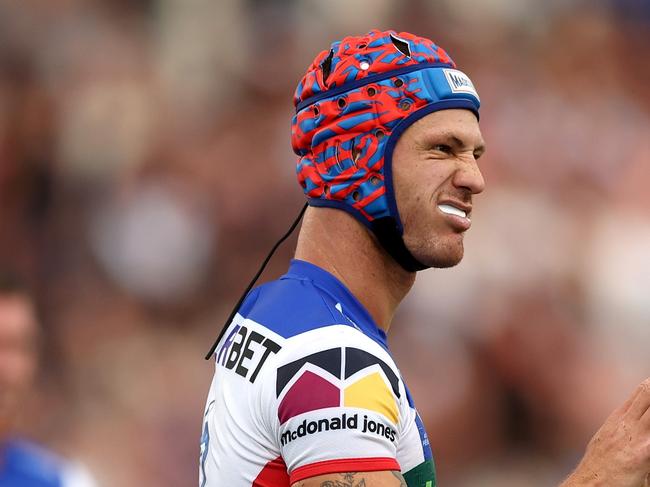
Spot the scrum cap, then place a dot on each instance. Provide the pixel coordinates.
(352, 105)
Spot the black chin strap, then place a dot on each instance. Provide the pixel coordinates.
(254, 280)
(390, 238)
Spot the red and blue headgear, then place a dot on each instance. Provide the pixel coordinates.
(351, 108)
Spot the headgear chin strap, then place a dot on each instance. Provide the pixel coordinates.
(390, 238)
(352, 106)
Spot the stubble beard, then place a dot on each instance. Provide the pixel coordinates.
(437, 253)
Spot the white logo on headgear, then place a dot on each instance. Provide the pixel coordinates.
(459, 82)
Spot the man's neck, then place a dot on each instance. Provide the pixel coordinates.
(336, 242)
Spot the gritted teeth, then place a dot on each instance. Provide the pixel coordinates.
(452, 210)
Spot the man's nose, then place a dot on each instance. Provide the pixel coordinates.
(470, 177)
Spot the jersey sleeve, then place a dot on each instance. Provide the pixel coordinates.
(336, 404)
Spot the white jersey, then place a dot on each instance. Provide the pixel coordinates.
(305, 385)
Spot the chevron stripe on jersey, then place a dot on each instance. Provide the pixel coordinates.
(305, 385)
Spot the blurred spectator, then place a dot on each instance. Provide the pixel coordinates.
(22, 462)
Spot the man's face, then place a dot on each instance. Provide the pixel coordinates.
(18, 356)
(435, 174)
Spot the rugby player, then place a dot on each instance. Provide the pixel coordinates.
(306, 392)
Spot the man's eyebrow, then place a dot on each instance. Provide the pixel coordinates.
(460, 143)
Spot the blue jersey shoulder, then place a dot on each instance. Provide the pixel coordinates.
(290, 306)
(25, 464)
(306, 298)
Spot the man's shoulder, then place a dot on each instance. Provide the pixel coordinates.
(290, 307)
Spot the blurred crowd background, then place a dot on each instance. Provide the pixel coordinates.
(146, 169)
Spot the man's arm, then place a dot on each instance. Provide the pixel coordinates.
(619, 453)
(355, 479)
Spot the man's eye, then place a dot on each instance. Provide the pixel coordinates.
(442, 148)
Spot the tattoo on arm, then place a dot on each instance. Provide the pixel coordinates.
(348, 480)
(355, 479)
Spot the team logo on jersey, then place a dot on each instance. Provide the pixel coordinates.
(338, 377)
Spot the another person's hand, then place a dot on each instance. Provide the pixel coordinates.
(619, 453)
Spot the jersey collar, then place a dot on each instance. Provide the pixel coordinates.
(351, 307)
